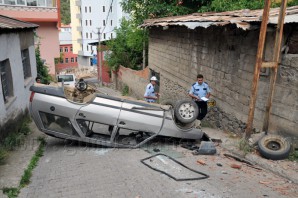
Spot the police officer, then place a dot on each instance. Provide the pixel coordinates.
(150, 94)
(199, 91)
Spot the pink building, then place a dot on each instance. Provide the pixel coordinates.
(67, 60)
(46, 14)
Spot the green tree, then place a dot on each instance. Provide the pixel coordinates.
(146, 9)
(127, 48)
(65, 12)
(42, 70)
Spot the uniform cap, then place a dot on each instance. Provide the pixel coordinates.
(153, 78)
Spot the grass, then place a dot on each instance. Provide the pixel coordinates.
(25, 180)
(244, 146)
(11, 192)
(294, 155)
(14, 139)
(3, 155)
(125, 91)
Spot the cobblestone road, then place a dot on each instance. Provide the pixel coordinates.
(80, 171)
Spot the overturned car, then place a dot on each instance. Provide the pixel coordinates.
(82, 113)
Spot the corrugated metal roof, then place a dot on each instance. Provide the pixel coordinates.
(7, 23)
(242, 18)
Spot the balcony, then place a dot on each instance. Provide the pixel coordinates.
(79, 16)
(30, 3)
(80, 41)
(78, 3)
(31, 11)
(79, 28)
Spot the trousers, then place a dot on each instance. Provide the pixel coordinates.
(202, 105)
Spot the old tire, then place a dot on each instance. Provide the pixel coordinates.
(274, 147)
(186, 111)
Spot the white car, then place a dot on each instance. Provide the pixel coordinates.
(67, 79)
(106, 120)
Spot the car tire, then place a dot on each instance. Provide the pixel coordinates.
(274, 147)
(186, 111)
(82, 86)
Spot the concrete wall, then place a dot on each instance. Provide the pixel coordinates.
(49, 43)
(10, 47)
(135, 80)
(226, 58)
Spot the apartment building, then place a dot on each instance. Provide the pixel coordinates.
(89, 19)
(46, 14)
(67, 59)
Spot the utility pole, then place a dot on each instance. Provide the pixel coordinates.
(99, 61)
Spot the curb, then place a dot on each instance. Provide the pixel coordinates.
(263, 163)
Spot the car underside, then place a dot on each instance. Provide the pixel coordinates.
(84, 114)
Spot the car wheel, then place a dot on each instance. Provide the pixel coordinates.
(186, 111)
(82, 86)
(274, 147)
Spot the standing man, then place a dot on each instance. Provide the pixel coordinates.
(150, 94)
(200, 93)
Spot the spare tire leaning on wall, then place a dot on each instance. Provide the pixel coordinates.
(274, 147)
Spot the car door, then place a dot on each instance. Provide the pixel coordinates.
(140, 116)
(102, 110)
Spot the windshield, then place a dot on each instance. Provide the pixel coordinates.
(66, 78)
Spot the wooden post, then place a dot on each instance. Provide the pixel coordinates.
(259, 60)
(273, 74)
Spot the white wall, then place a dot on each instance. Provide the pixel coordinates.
(10, 48)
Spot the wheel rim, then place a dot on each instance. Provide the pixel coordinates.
(186, 111)
(273, 145)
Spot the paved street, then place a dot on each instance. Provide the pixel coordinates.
(80, 171)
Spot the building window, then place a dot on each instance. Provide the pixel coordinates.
(20, 2)
(31, 3)
(90, 22)
(61, 49)
(76, 59)
(104, 35)
(71, 49)
(26, 63)
(86, 22)
(65, 49)
(111, 10)
(6, 80)
(85, 9)
(61, 60)
(72, 60)
(87, 48)
(86, 34)
(103, 9)
(9, 2)
(111, 35)
(66, 60)
(104, 22)
(90, 9)
(91, 35)
(111, 22)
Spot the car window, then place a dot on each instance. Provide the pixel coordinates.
(66, 78)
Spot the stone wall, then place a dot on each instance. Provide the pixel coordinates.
(135, 80)
(226, 57)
